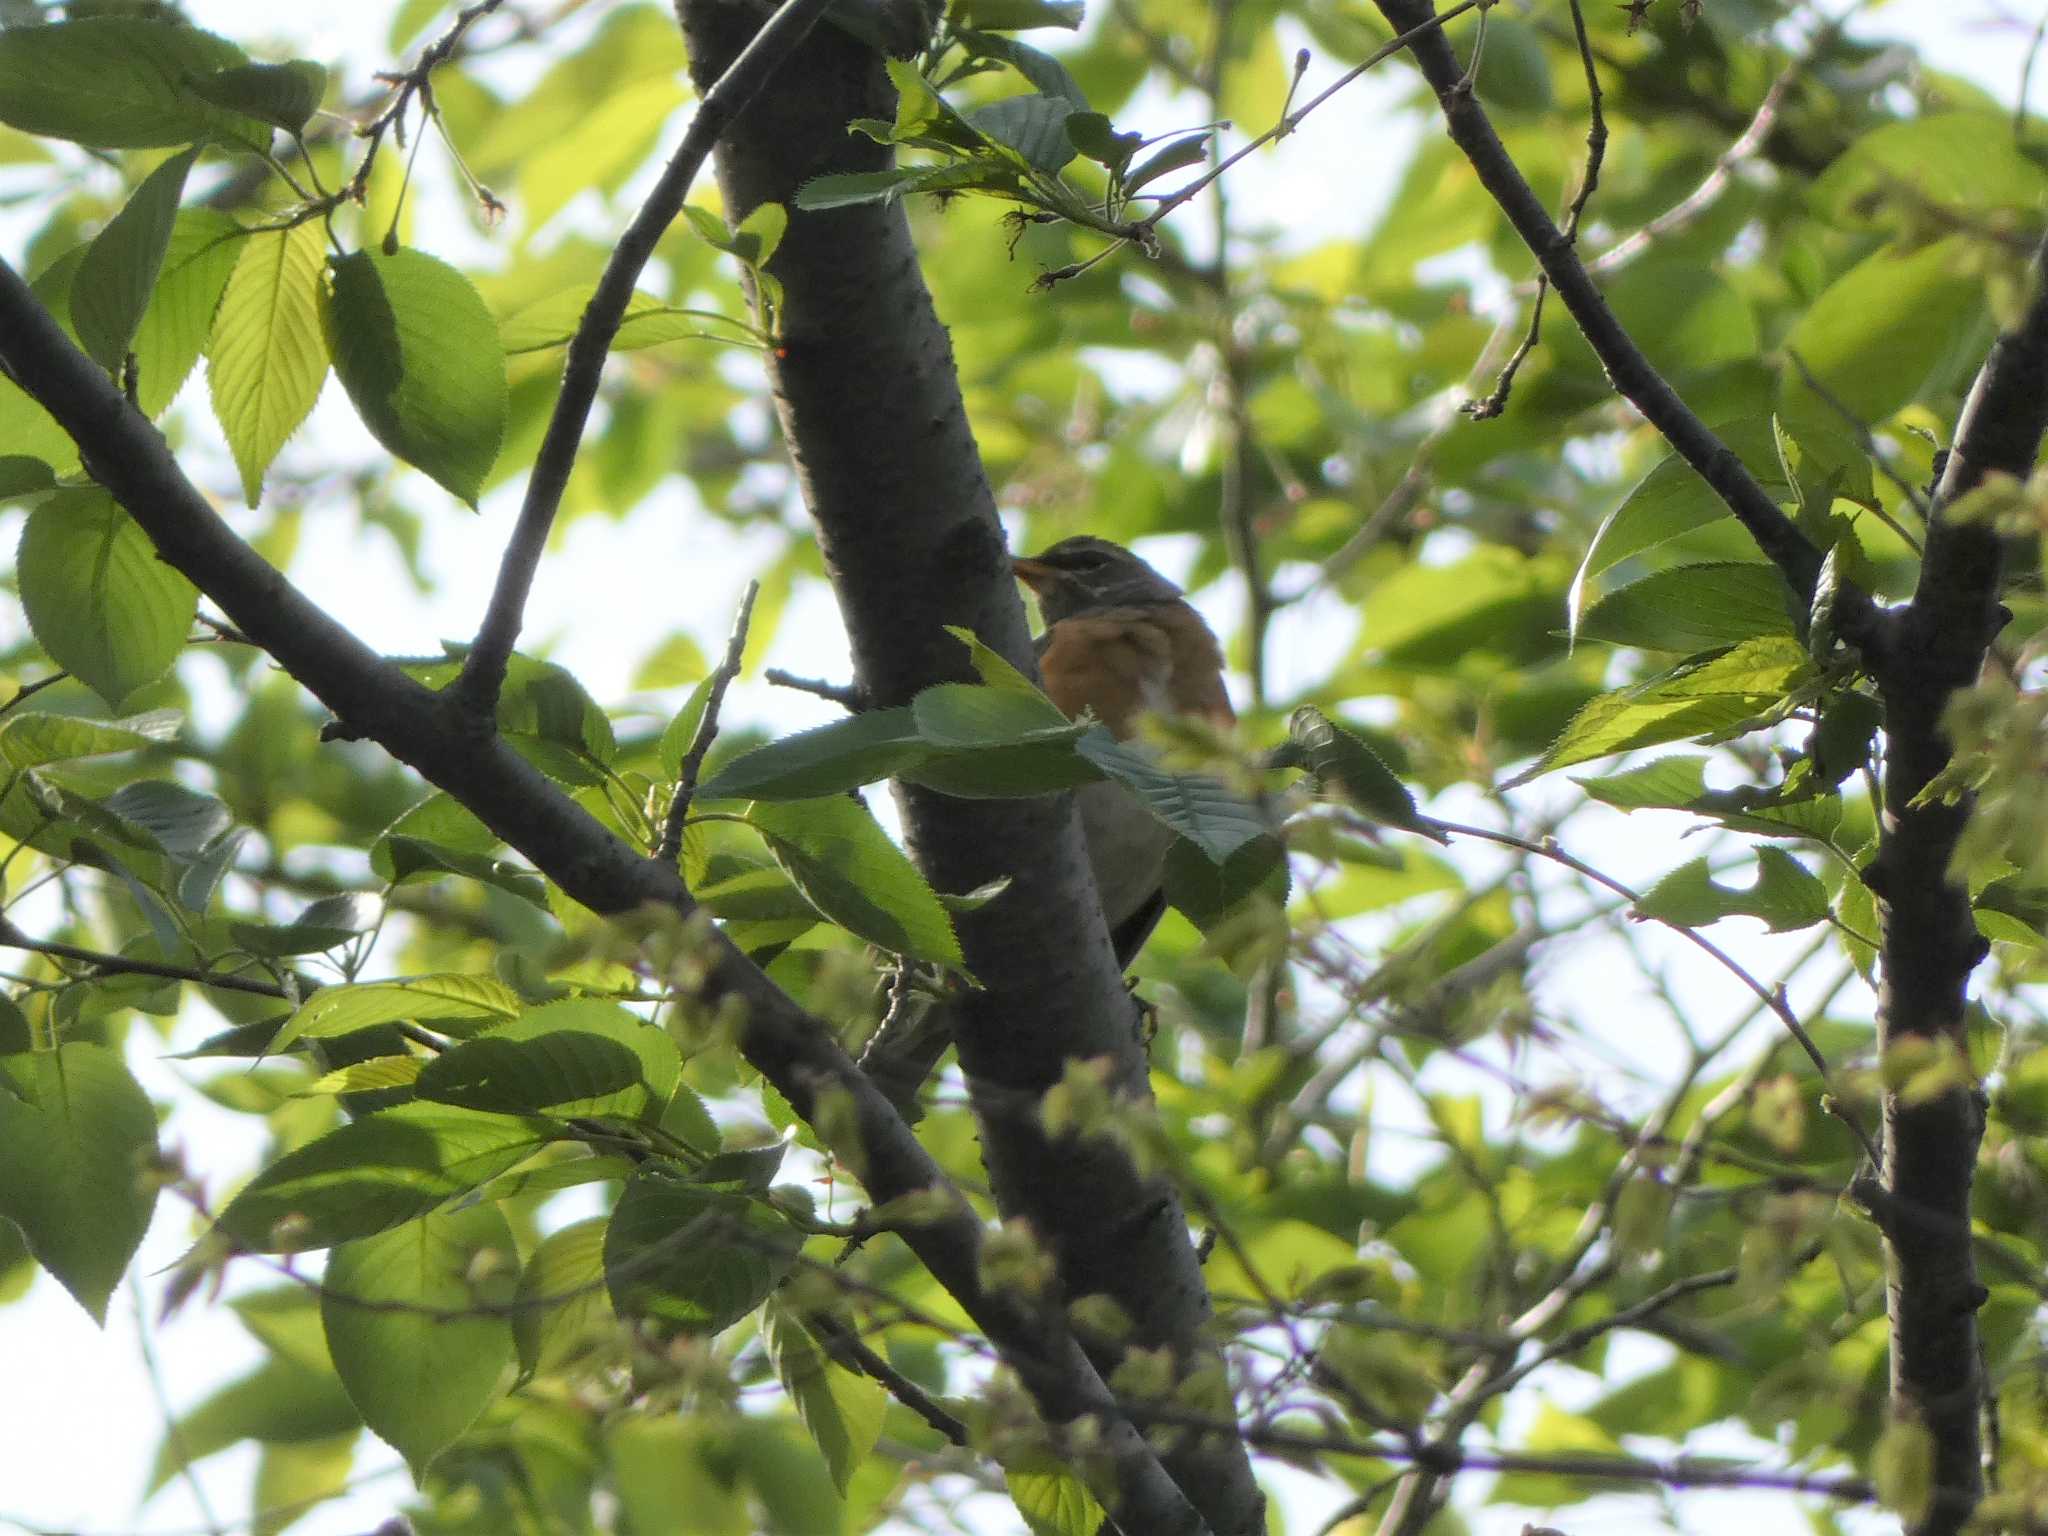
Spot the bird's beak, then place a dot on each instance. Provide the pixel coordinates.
(1033, 573)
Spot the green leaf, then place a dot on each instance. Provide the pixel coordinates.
(99, 600)
(180, 821)
(1786, 895)
(847, 868)
(292, 1479)
(1034, 126)
(32, 738)
(825, 761)
(120, 267)
(759, 233)
(1703, 697)
(281, 1402)
(268, 358)
(562, 1306)
(1175, 156)
(1048, 76)
(1339, 762)
(1672, 500)
(410, 859)
(1669, 783)
(1018, 15)
(691, 1259)
(1053, 1501)
(1096, 137)
(325, 924)
(78, 1141)
(1881, 332)
(118, 82)
(1965, 161)
(1693, 608)
(283, 95)
(582, 1056)
(842, 1411)
(680, 734)
(375, 1173)
(339, 1010)
(851, 189)
(419, 355)
(401, 1309)
(197, 263)
(1198, 808)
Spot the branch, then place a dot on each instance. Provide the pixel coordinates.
(793, 1050)
(1632, 373)
(483, 669)
(1936, 648)
(12, 937)
(707, 729)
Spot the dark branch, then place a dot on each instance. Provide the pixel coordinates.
(1630, 371)
(707, 729)
(483, 670)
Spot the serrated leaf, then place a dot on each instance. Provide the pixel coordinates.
(1341, 763)
(580, 1057)
(120, 268)
(415, 1323)
(680, 733)
(1669, 783)
(843, 755)
(1672, 500)
(418, 353)
(1053, 1501)
(182, 822)
(1178, 155)
(562, 1304)
(101, 603)
(1048, 76)
(842, 1411)
(759, 233)
(78, 1142)
(32, 738)
(1019, 15)
(1033, 126)
(1703, 697)
(339, 1010)
(267, 357)
(371, 1076)
(1197, 807)
(685, 1258)
(283, 95)
(1786, 895)
(411, 859)
(847, 868)
(118, 82)
(198, 261)
(1692, 608)
(375, 1173)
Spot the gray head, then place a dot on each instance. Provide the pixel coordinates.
(1085, 572)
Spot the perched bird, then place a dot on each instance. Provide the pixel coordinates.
(1121, 642)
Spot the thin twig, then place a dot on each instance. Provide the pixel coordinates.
(30, 690)
(483, 670)
(707, 729)
(1292, 120)
(1773, 998)
(854, 1352)
(12, 937)
(1867, 441)
(848, 696)
(1596, 152)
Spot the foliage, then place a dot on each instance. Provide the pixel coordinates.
(1499, 1204)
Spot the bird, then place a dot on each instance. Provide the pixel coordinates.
(1120, 641)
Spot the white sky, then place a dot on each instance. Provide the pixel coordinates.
(80, 1422)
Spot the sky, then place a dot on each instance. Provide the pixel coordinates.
(84, 1417)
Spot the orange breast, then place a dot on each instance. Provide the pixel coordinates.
(1120, 663)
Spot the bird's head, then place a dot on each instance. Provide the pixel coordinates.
(1084, 572)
